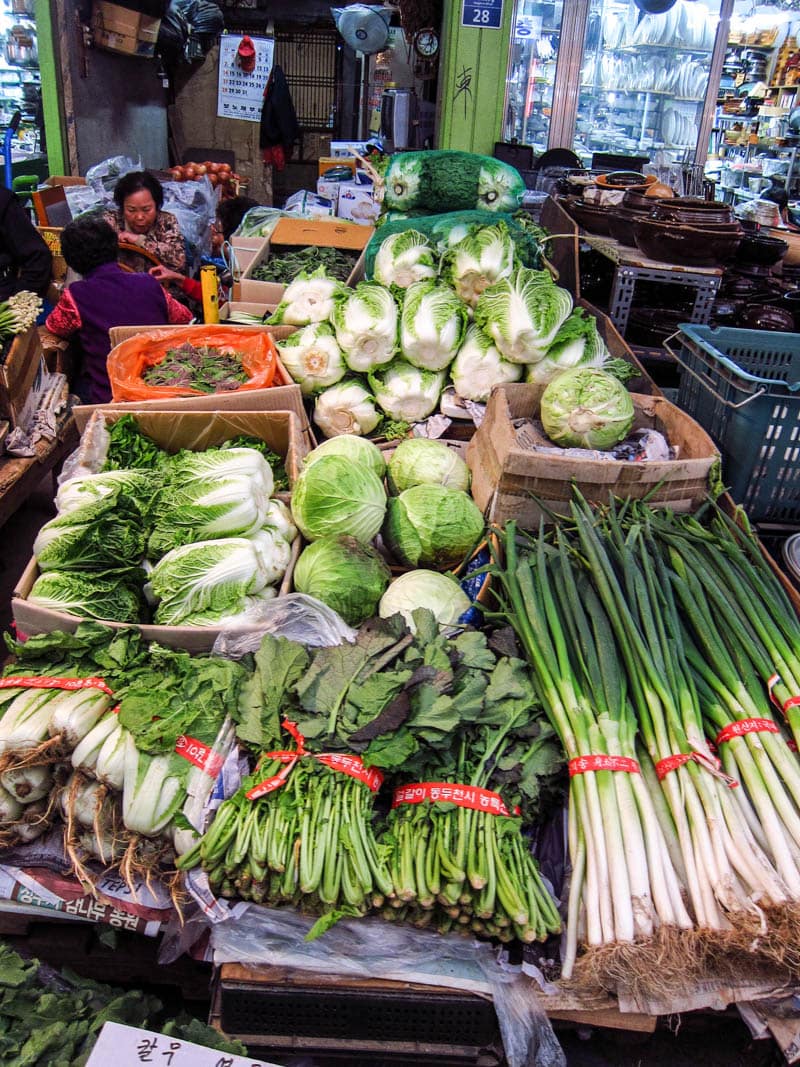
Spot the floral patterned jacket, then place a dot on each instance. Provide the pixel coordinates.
(164, 239)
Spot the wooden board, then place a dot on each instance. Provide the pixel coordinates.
(19, 477)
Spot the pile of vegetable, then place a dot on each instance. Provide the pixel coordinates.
(17, 314)
(660, 647)
(285, 263)
(428, 521)
(301, 829)
(200, 367)
(467, 311)
(192, 539)
(219, 174)
(53, 1018)
(104, 740)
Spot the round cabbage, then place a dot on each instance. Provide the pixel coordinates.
(439, 593)
(429, 525)
(420, 461)
(336, 496)
(346, 575)
(586, 408)
(356, 449)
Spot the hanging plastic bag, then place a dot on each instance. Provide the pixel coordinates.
(129, 361)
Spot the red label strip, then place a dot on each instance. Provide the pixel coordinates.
(746, 726)
(463, 796)
(341, 762)
(54, 683)
(589, 764)
(200, 754)
(792, 702)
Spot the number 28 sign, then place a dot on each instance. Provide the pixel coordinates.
(486, 15)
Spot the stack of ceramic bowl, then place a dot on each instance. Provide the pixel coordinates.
(636, 204)
(689, 231)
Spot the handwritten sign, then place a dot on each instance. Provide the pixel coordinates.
(482, 14)
(241, 94)
(128, 1046)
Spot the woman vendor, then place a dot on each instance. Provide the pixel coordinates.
(139, 219)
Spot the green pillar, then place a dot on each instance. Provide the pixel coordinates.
(51, 89)
(472, 94)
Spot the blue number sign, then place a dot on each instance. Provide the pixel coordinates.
(482, 14)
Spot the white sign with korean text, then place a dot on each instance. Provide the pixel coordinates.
(240, 94)
(128, 1046)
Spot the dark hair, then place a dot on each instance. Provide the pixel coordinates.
(230, 213)
(134, 181)
(89, 242)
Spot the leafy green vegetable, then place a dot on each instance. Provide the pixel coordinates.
(404, 392)
(285, 263)
(438, 593)
(206, 509)
(356, 449)
(478, 260)
(478, 366)
(203, 368)
(577, 344)
(404, 258)
(108, 534)
(129, 448)
(451, 181)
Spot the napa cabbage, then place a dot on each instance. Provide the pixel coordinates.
(479, 260)
(204, 509)
(88, 489)
(213, 576)
(97, 536)
(87, 595)
(309, 297)
(432, 325)
(577, 344)
(365, 321)
(406, 393)
(221, 463)
(279, 518)
(478, 367)
(523, 313)
(313, 357)
(345, 408)
(404, 258)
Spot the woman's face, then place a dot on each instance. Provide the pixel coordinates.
(139, 210)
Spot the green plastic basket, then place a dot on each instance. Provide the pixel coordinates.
(743, 387)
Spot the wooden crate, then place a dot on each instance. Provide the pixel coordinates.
(18, 373)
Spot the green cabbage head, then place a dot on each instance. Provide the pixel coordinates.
(428, 590)
(356, 449)
(429, 525)
(586, 408)
(345, 574)
(336, 496)
(419, 461)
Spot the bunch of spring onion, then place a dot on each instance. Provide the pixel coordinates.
(107, 763)
(711, 876)
(308, 843)
(462, 867)
(19, 313)
(742, 641)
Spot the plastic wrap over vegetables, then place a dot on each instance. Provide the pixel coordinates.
(438, 181)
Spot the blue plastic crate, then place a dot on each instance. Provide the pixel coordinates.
(743, 387)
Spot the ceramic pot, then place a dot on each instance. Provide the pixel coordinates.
(686, 245)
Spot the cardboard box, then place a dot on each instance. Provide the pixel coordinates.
(357, 203)
(117, 29)
(330, 190)
(300, 233)
(245, 249)
(18, 373)
(284, 396)
(344, 149)
(52, 238)
(174, 429)
(507, 478)
(64, 179)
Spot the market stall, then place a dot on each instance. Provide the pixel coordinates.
(403, 655)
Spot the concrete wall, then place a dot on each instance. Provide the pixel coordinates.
(113, 104)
